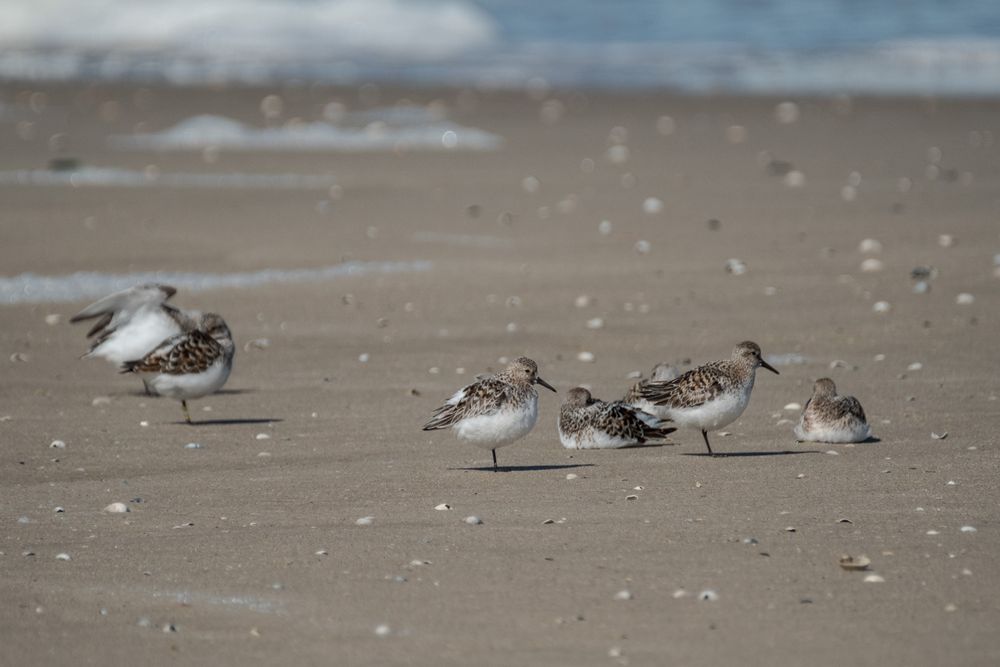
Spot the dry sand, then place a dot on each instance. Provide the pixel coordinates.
(248, 547)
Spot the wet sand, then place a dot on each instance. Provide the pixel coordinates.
(247, 547)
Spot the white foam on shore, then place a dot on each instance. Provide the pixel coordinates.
(130, 178)
(86, 285)
(381, 130)
(234, 30)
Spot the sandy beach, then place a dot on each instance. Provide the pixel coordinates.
(246, 550)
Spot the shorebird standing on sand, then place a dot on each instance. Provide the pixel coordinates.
(189, 365)
(588, 423)
(710, 396)
(829, 417)
(133, 322)
(495, 410)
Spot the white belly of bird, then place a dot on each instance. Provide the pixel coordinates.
(713, 415)
(856, 432)
(187, 386)
(501, 428)
(593, 440)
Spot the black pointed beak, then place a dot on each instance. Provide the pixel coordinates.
(545, 384)
(769, 367)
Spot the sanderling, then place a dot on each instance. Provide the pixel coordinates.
(710, 396)
(189, 365)
(588, 423)
(829, 417)
(133, 322)
(662, 372)
(495, 410)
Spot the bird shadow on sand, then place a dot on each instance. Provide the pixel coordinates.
(528, 468)
(735, 455)
(228, 422)
(223, 392)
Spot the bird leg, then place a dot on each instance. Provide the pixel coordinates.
(495, 468)
(704, 434)
(187, 415)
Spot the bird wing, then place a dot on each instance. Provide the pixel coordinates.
(624, 421)
(694, 388)
(191, 352)
(483, 397)
(850, 405)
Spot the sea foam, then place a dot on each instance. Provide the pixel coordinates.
(84, 285)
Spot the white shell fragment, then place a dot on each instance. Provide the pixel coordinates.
(964, 299)
(652, 205)
(968, 529)
(870, 247)
(585, 357)
(643, 247)
(58, 444)
(365, 521)
(193, 445)
(117, 508)
(63, 556)
(939, 436)
(473, 520)
(872, 265)
(735, 266)
(854, 562)
(708, 595)
(572, 475)
(881, 307)
(442, 507)
(382, 630)
(874, 578)
(793, 406)
(623, 595)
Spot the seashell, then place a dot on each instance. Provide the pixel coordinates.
(964, 299)
(473, 520)
(623, 595)
(572, 475)
(708, 595)
(58, 444)
(735, 266)
(793, 406)
(874, 578)
(365, 521)
(117, 508)
(939, 436)
(872, 265)
(968, 529)
(854, 562)
(632, 497)
(63, 556)
(585, 357)
(652, 205)
(442, 507)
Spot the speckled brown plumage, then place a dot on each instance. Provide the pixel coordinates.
(830, 417)
(586, 422)
(191, 352)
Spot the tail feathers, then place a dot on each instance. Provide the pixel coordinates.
(660, 432)
(130, 366)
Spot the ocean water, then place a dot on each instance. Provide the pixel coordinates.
(750, 46)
